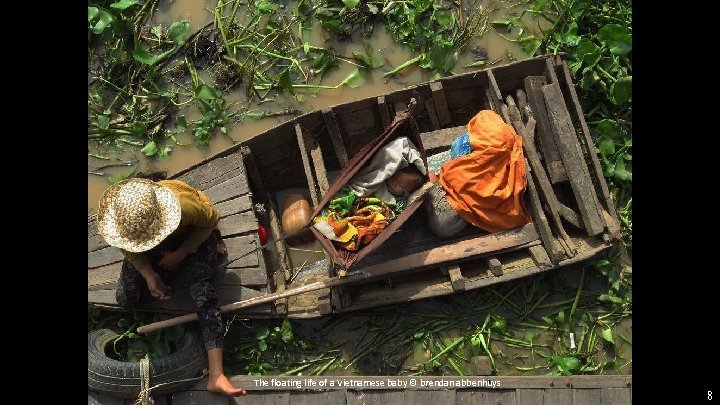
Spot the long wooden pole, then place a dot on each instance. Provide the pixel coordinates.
(332, 282)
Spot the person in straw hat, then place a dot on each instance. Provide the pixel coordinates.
(160, 227)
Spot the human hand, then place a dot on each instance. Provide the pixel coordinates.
(157, 287)
(171, 260)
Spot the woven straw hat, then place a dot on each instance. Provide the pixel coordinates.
(137, 214)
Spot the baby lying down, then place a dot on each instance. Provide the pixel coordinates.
(374, 197)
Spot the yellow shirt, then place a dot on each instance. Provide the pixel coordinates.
(199, 218)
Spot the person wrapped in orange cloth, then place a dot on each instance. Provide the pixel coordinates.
(484, 187)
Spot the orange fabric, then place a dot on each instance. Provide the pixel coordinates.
(486, 186)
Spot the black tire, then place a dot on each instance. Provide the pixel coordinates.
(122, 379)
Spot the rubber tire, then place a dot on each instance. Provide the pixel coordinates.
(122, 379)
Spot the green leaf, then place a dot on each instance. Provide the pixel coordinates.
(262, 333)
(539, 4)
(285, 82)
(286, 330)
(621, 90)
(262, 345)
(141, 55)
(529, 44)
(442, 58)
(354, 79)
(566, 364)
(139, 128)
(92, 12)
(621, 171)
(265, 7)
(587, 52)
(607, 335)
(617, 38)
(103, 122)
(606, 146)
(165, 151)
(609, 128)
(350, 3)
(443, 18)
(421, 5)
(157, 31)
(372, 8)
(103, 20)
(178, 30)
(205, 92)
(123, 4)
(254, 115)
(150, 149)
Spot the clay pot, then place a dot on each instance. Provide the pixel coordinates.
(296, 212)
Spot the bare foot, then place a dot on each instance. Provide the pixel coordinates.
(222, 385)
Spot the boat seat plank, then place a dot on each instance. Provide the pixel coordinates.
(572, 156)
(234, 206)
(228, 189)
(234, 224)
(104, 257)
(104, 275)
(558, 396)
(552, 246)
(464, 249)
(304, 147)
(432, 114)
(213, 172)
(441, 138)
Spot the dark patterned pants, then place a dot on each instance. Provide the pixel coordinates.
(201, 267)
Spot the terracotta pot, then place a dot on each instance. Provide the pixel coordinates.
(296, 212)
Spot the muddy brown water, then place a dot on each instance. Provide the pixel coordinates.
(198, 13)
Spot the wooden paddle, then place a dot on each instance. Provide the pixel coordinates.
(331, 282)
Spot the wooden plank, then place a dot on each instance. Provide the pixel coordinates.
(540, 256)
(213, 172)
(496, 268)
(474, 397)
(335, 136)
(317, 398)
(95, 241)
(558, 396)
(572, 156)
(253, 173)
(199, 397)
(441, 107)
(239, 245)
(456, 278)
(386, 397)
(104, 257)
(536, 101)
(317, 161)
(499, 397)
(441, 138)
(551, 245)
(570, 215)
(496, 97)
(306, 164)
(588, 140)
(228, 189)
(238, 223)
(465, 249)
(262, 398)
(384, 111)
(234, 206)
(104, 275)
(254, 276)
(430, 108)
(435, 397)
(586, 396)
(281, 247)
(615, 396)
(545, 189)
(529, 396)
(400, 107)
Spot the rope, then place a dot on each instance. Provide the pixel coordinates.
(144, 397)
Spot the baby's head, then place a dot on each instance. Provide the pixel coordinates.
(405, 180)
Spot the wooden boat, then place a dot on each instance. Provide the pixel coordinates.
(573, 216)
